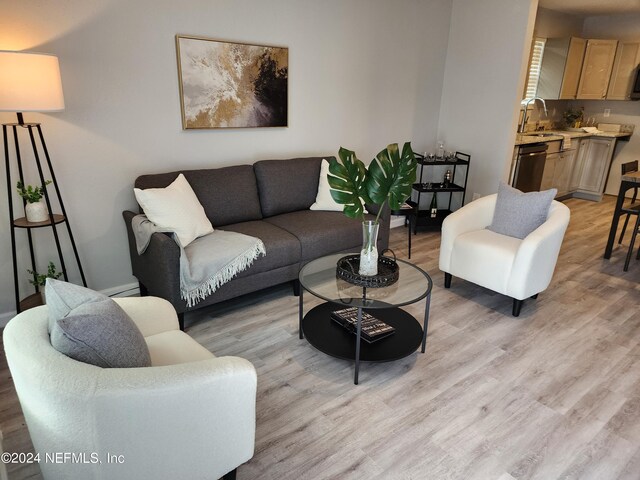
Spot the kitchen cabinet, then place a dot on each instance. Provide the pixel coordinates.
(624, 67)
(597, 154)
(578, 165)
(596, 69)
(550, 165)
(563, 171)
(560, 68)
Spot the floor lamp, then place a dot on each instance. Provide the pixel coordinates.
(30, 82)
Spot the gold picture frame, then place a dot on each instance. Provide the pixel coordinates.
(231, 84)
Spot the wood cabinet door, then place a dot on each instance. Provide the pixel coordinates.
(549, 171)
(572, 69)
(596, 161)
(563, 170)
(596, 69)
(578, 165)
(624, 68)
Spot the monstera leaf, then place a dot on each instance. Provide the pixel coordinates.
(391, 176)
(347, 181)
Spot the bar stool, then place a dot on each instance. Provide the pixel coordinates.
(631, 208)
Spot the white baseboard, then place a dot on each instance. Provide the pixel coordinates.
(127, 290)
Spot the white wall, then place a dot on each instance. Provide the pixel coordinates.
(363, 73)
(487, 56)
(552, 24)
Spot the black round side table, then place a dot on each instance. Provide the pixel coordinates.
(319, 278)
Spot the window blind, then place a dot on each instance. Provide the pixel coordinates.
(534, 68)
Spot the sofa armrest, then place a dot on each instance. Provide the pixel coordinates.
(204, 411)
(475, 215)
(536, 259)
(152, 315)
(158, 268)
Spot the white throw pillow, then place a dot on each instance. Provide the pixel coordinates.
(177, 208)
(324, 200)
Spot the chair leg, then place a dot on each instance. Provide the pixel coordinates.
(624, 228)
(296, 288)
(447, 280)
(633, 241)
(231, 475)
(534, 296)
(181, 321)
(143, 290)
(517, 306)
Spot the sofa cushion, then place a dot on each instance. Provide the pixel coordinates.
(175, 208)
(282, 247)
(287, 185)
(517, 214)
(321, 233)
(324, 200)
(228, 195)
(97, 331)
(63, 297)
(484, 258)
(174, 347)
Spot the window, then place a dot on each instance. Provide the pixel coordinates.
(534, 68)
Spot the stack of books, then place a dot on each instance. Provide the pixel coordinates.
(372, 329)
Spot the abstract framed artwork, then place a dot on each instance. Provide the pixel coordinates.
(231, 85)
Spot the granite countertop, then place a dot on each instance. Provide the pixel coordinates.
(555, 135)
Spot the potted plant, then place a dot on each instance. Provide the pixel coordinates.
(387, 180)
(39, 280)
(35, 209)
(573, 118)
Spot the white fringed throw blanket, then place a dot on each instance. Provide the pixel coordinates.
(206, 263)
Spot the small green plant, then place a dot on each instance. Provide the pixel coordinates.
(571, 117)
(31, 194)
(39, 280)
(388, 179)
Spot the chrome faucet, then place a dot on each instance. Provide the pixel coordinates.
(526, 105)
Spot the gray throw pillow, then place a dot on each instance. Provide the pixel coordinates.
(63, 297)
(517, 214)
(98, 331)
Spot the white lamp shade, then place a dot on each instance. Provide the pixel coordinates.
(30, 82)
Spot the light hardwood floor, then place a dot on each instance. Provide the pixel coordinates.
(552, 394)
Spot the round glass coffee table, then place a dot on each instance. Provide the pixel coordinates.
(318, 277)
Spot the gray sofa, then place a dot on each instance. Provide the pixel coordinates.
(269, 200)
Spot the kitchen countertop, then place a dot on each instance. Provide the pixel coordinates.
(555, 135)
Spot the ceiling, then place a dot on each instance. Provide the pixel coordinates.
(591, 7)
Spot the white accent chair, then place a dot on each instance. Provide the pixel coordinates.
(517, 268)
(190, 415)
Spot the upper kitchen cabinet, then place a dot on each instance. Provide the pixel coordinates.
(560, 68)
(624, 66)
(596, 69)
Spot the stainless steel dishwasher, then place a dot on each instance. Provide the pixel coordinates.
(530, 167)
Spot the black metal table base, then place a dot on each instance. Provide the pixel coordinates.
(331, 338)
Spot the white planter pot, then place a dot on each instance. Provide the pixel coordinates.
(36, 212)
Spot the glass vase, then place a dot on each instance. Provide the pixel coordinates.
(369, 252)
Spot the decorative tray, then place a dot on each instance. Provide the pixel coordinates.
(388, 271)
